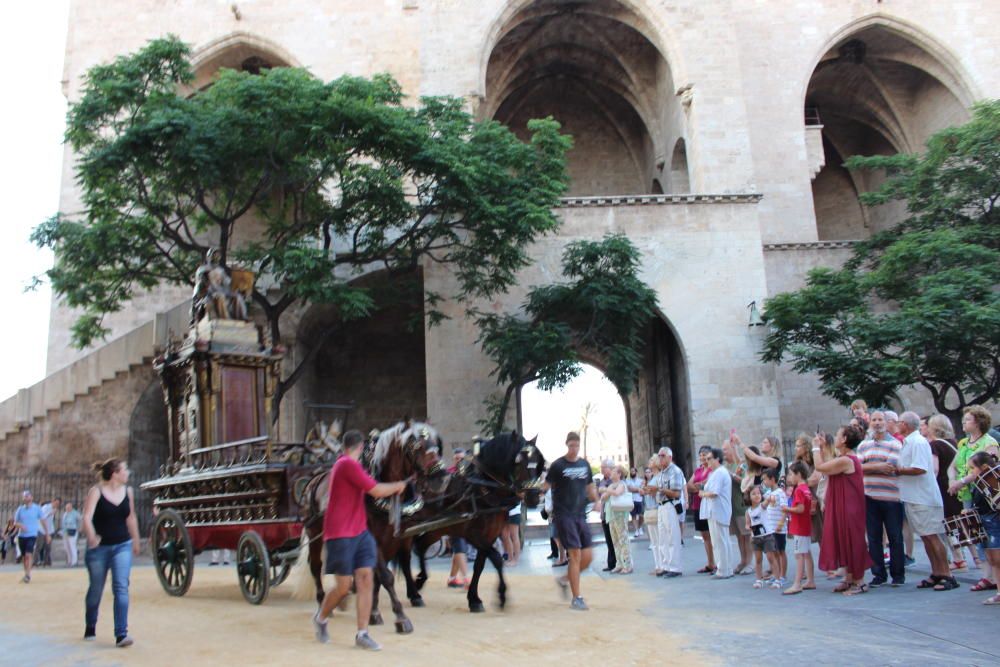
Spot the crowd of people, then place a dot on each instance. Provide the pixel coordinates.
(28, 536)
(862, 494)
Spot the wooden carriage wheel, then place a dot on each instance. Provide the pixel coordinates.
(174, 557)
(280, 568)
(253, 566)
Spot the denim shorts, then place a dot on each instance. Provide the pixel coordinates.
(26, 544)
(344, 555)
(991, 524)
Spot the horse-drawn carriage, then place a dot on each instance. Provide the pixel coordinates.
(228, 484)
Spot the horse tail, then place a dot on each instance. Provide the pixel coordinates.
(301, 575)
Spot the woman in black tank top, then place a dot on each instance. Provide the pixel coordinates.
(112, 539)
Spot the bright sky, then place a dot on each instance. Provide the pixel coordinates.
(551, 415)
(32, 42)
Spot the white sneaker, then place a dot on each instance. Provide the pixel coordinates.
(320, 628)
(365, 641)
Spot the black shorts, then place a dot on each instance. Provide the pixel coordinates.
(701, 525)
(344, 555)
(637, 509)
(26, 544)
(780, 541)
(573, 531)
(514, 519)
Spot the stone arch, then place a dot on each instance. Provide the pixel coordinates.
(378, 362)
(680, 180)
(597, 68)
(148, 432)
(646, 21)
(880, 87)
(234, 51)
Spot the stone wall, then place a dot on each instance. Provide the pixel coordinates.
(91, 428)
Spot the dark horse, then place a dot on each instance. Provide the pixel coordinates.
(504, 471)
(398, 454)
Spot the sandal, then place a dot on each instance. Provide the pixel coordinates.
(857, 589)
(930, 582)
(759, 583)
(946, 584)
(983, 584)
(958, 565)
(842, 587)
(809, 588)
(706, 570)
(992, 600)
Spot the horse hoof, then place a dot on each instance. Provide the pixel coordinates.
(404, 627)
(418, 602)
(476, 607)
(376, 619)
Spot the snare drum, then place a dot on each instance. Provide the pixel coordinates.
(965, 530)
(988, 484)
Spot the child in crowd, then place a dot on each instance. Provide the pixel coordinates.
(762, 536)
(979, 463)
(800, 527)
(774, 500)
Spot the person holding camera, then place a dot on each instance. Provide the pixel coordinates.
(669, 514)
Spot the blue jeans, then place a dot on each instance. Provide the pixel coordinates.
(117, 558)
(888, 514)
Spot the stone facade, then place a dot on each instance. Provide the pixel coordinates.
(754, 104)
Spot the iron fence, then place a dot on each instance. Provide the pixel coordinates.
(71, 487)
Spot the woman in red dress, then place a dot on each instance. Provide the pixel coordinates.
(843, 544)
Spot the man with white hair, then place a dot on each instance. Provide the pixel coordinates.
(922, 500)
(670, 500)
(892, 424)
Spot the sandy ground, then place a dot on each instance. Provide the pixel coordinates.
(212, 624)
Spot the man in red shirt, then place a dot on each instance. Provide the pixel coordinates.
(350, 548)
(800, 526)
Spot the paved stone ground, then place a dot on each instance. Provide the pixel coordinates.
(740, 625)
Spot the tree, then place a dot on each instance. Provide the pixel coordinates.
(602, 313)
(308, 182)
(918, 304)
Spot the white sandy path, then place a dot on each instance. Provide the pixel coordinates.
(213, 625)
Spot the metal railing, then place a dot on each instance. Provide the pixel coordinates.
(71, 487)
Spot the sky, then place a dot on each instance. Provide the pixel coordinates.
(550, 415)
(32, 119)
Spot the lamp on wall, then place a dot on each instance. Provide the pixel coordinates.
(755, 318)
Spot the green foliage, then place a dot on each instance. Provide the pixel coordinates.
(918, 304)
(600, 315)
(308, 182)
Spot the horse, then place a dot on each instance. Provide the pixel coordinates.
(399, 453)
(505, 470)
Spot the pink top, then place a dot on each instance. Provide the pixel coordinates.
(699, 477)
(345, 510)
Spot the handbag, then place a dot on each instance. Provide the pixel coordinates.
(622, 502)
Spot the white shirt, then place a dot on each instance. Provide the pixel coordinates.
(773, 516)
(918, 489)
(720, 507)
(634, 485)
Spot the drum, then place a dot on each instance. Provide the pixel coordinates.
(988, 484)
(965, 530)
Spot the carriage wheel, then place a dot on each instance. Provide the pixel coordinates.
(253, 567)
(171, 547)
(280, 569)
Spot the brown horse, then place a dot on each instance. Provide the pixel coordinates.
(398, 454)
(504, 471)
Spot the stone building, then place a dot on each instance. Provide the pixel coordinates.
(711, 132)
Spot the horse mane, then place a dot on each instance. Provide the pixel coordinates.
(382, 445)
(497, 454)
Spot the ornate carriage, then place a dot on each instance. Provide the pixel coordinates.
(228, 483)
